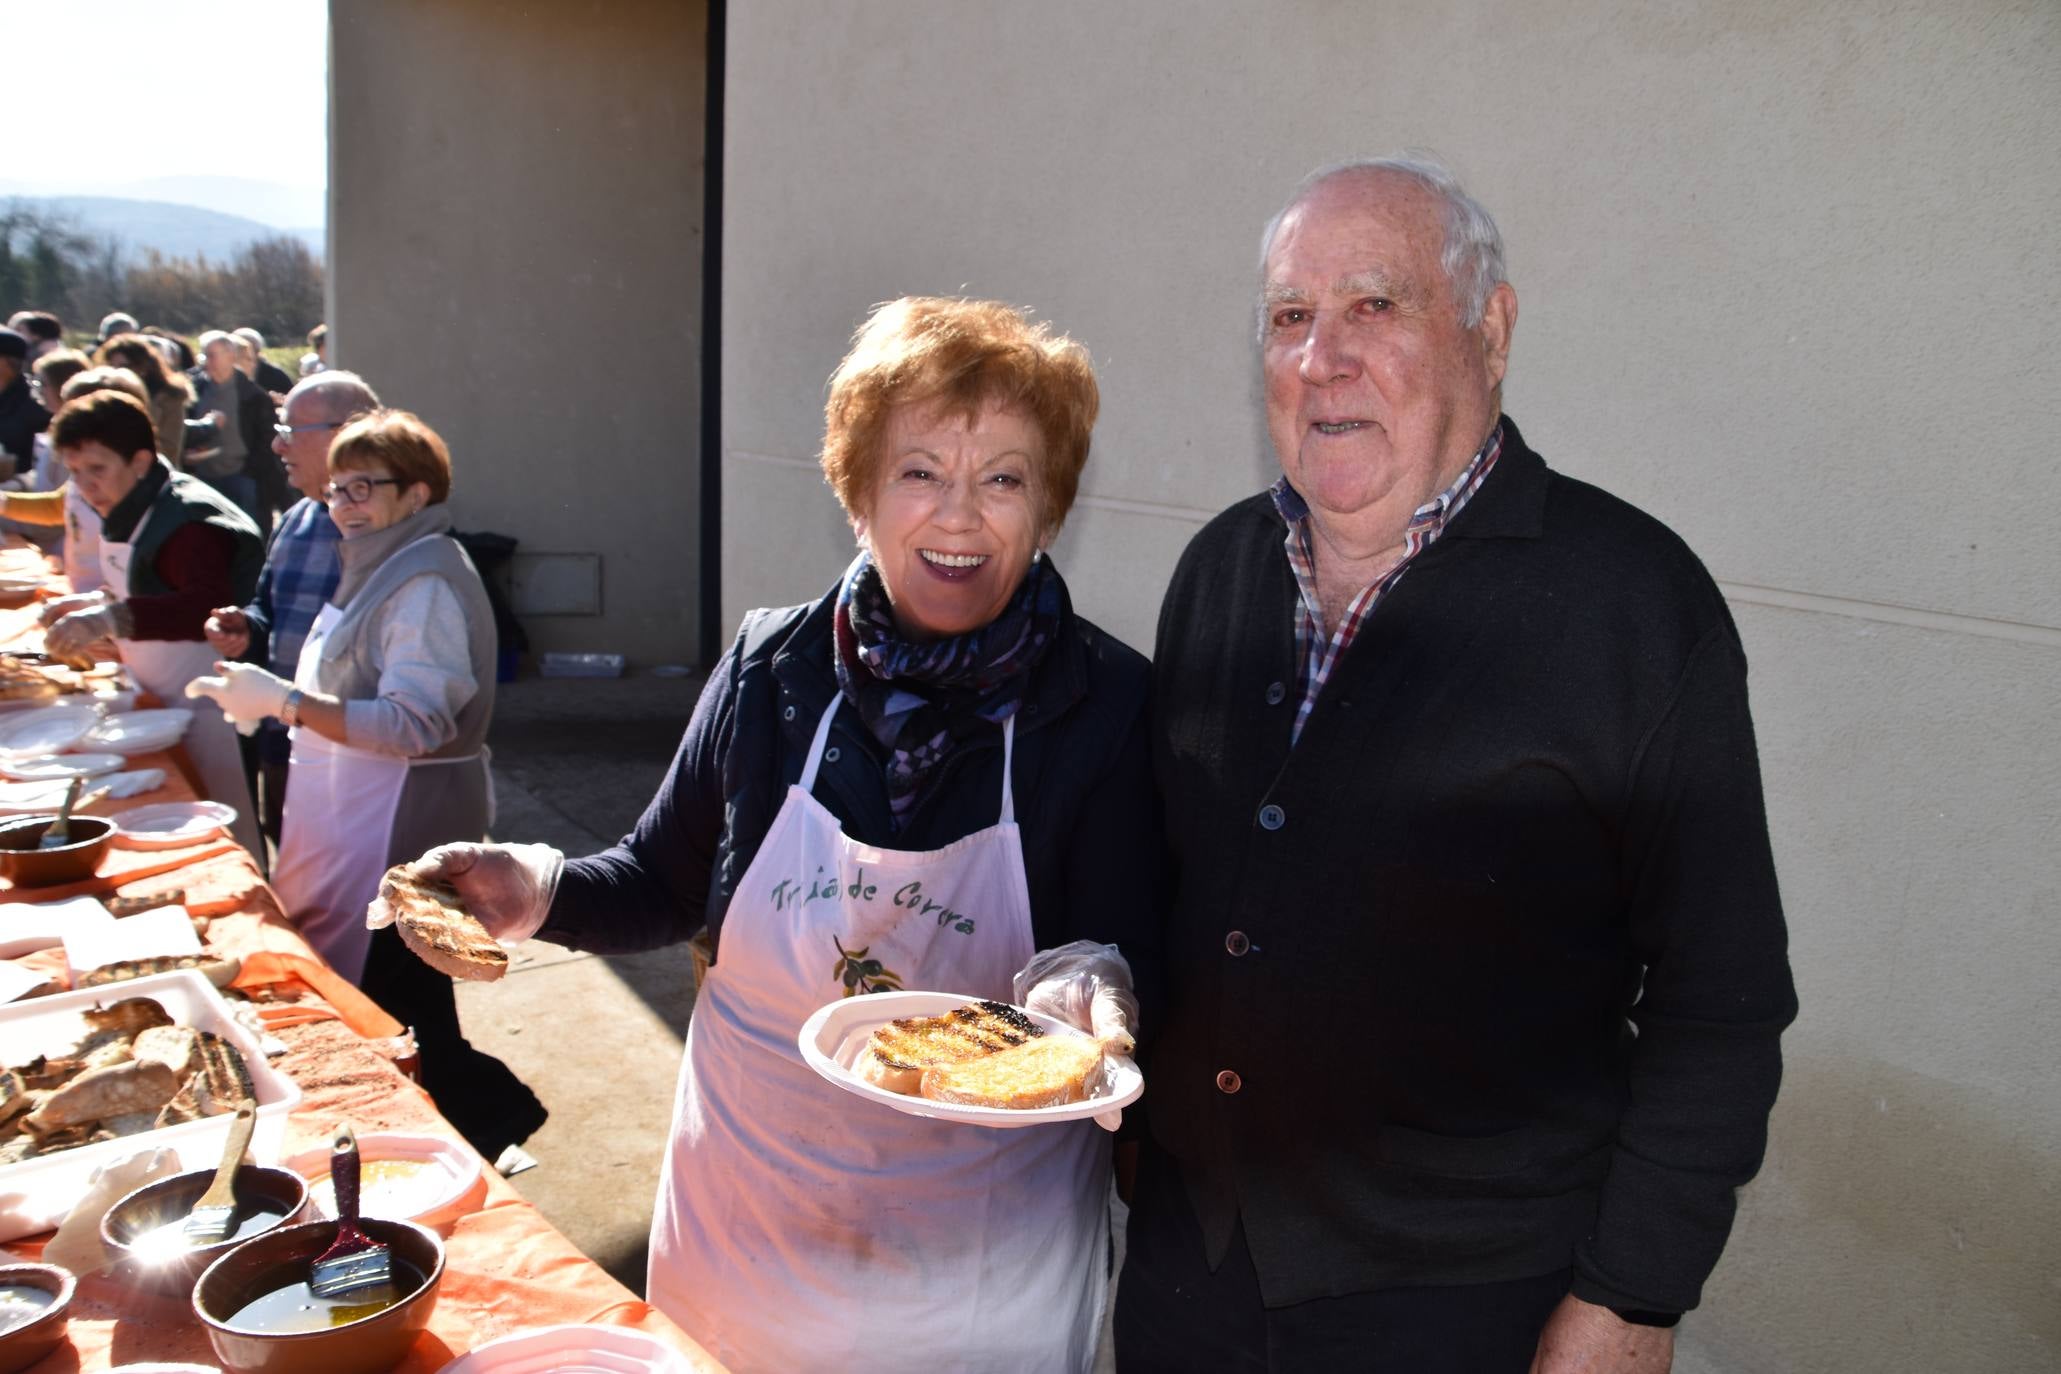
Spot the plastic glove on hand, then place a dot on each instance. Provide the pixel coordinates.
(58, 607)
(1087, 985)
(246, 693)
(507, 887)
(76, 633)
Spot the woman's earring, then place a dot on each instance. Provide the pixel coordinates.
(1037, 555)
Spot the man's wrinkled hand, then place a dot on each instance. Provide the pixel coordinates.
(1583, 1338)
(228, 631)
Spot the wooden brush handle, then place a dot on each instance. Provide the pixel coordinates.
(222, 1192)
(343, 1174)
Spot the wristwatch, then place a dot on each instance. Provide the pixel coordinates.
(290, 712)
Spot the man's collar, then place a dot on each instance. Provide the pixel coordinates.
(1294, 509)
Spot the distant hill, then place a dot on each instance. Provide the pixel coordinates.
(181, 231)
(268, 202)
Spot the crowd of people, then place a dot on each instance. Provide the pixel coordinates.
(283, 549)
(1425, 865)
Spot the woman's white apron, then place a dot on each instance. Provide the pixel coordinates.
(163, 667)
(337, 833)
(799, 1227)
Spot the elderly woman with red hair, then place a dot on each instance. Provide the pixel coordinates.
(934, 776)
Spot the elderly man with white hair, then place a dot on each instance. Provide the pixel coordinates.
(1476, 966)
(261, 369)
(236, 459)
(302, 568)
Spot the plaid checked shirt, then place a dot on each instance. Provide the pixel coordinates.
(302, 569)
(1317, 655)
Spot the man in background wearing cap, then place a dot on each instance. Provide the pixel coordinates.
(21, 418)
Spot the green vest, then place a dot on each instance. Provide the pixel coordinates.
(182, 501)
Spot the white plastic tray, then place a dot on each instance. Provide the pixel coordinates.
(38, 1193)
(833, 1036)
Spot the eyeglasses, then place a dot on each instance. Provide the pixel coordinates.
(357, 491)
(288, 431)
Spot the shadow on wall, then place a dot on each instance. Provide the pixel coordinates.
(1913, 1214)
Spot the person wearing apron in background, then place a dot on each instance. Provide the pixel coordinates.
(388, 714)
(933, 778)
(171, 549)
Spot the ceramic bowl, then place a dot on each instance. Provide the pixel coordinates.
(24, 865)
(278, 1258)
(155, 1204)
(21, 1346)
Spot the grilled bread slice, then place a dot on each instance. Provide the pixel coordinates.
(1049, 1071)
(435, 924)
(900, 1051)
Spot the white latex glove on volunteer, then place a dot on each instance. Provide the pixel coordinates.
(78, 631)
(246, 693)
(58, 607)
(1086, 985)
(507, 887)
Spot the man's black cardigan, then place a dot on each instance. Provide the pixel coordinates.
(1514, 965)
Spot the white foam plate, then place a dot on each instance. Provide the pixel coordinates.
(167, 825)
(138, 732)
(573, 1350)
(45, 730)
(449, 1171)
(831, 1039)
(60, 767)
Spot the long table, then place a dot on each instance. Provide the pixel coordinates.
(507, 1269)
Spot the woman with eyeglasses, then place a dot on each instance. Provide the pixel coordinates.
(390, 703)
(388, 713)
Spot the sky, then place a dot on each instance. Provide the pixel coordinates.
(272, 53)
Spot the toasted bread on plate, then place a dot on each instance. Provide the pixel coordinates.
(1049, 1071)
(898, 1052)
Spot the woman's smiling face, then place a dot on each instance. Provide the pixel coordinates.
(383, 500)
(954, 518)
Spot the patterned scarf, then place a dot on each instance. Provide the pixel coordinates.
(924, 699)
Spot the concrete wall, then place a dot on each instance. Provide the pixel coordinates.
(1788, 277)
(515, 253)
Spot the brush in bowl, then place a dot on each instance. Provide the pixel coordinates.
(147, 1229)
(25, 863)
(261, 1318)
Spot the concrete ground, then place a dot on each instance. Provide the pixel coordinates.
(597, 1038)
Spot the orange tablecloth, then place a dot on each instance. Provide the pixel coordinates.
(507, 1269)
